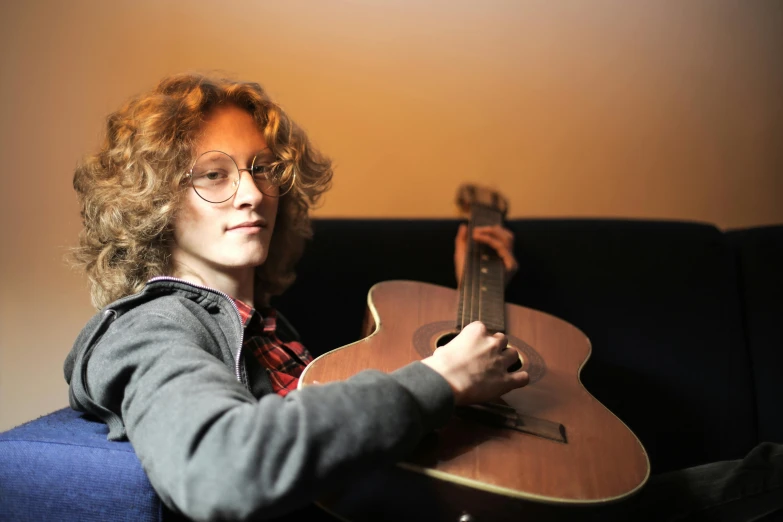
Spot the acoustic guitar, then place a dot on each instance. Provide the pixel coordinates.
(550, 442)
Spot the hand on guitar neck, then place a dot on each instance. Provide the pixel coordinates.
(498, 237)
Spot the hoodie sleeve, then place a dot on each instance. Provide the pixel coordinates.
(213, 451)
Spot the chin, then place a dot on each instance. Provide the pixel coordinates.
(255, 261)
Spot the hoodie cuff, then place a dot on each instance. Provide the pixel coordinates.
(431, 391)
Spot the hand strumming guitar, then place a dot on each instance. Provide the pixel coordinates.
(476, 364)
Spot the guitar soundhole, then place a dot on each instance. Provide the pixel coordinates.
(517, 365)
(445, 339)
(448, 337)
(430, 336)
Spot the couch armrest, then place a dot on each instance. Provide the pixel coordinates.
(61, 467)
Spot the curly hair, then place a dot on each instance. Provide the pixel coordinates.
(131, 189)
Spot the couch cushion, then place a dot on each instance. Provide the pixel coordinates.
(659, 301)
(760, 256)
(61, 467)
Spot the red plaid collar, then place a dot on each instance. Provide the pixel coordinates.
(283, 361)
(267, 316)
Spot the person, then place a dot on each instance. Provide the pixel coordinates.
(195, 210)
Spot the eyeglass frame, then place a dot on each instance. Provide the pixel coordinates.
(189, 175)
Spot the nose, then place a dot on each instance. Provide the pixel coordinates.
(247, 193)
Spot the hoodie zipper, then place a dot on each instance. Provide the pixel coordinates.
(239, 316)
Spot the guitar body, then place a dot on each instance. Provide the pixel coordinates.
(550, 442)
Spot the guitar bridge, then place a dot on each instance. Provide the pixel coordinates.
(502, 416)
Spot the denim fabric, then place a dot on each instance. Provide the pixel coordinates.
(61, 467)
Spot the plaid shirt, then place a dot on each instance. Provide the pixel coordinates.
(283, 361)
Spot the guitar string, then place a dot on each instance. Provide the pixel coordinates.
(476, 305)
(475, 297)
(473, 280)
(463, 284)
(498, 272)
(476, 302)
(469, 290)
(487, 217)
(468, 270)
(468, 301)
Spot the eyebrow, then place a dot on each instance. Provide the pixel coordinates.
(264, 153)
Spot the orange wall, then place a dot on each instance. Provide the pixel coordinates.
(604, 108)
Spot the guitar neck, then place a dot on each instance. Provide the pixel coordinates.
(481, 291)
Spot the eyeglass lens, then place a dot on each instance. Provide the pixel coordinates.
(216, 178)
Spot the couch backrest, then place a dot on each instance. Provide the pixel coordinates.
(760, 259)
(659, 300)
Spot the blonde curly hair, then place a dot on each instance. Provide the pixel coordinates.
(131, 189)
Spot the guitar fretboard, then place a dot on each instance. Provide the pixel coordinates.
(482, 288)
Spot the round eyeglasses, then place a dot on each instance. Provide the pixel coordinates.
(215, 176)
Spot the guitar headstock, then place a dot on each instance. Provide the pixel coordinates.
(469, 195)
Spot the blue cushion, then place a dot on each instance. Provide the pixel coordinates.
(61, 467)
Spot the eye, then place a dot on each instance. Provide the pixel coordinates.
(213, 175)
(259, 170)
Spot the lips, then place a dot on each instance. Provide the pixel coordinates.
(248, 224)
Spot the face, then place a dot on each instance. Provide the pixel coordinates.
(228, 239)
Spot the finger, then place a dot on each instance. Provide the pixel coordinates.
(460, 242)
(496, 231)
(501, 339)
(462, 234)
(490, 239)
(509, 261)
(519, 379)
(501, 240)
(479, 327)
(460, 245)
(501, 234)
(509, 356)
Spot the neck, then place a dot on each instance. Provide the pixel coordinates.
(481, 293)
(238, 284)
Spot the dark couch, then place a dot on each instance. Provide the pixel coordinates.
(685, 322)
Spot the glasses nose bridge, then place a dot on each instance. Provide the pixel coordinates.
(239, 175)
(249, 169)
(239, 171)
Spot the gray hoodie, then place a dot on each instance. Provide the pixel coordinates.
(164, 368)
